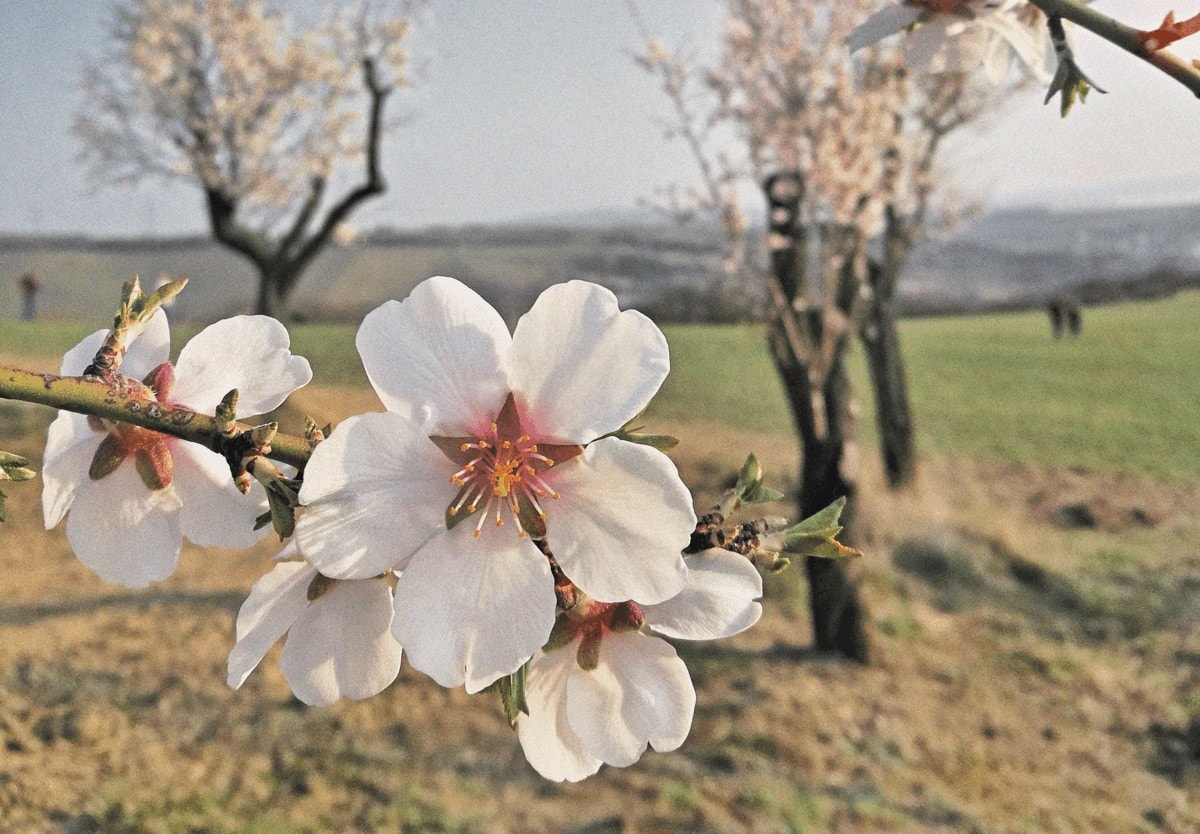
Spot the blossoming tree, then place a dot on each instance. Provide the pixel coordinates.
(503, 523)
(844, 151)
(265, 117)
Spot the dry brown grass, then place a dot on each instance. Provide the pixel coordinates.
(1026, 677)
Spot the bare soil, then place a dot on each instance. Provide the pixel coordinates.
(1032, 671)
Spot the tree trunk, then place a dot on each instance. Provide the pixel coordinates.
(885, 361)
(272, 296)
(828, 471)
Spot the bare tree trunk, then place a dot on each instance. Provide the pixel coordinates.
(272, 299)
(827, 472)
(820, 400)
(885, 361)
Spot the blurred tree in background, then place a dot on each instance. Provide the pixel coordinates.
(844, 149)
(265, 115)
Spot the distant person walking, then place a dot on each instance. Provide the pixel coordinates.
(1065, 316)
(30, 283)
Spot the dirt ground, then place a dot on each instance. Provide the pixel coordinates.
(1036, 668)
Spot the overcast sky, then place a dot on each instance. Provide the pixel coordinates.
(532, 107)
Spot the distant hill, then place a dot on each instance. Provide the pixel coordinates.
(1011, 259)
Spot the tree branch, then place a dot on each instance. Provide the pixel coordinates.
(222, 211)
(1125, 37)
(315, 192)
(375, 183)
(87, 395)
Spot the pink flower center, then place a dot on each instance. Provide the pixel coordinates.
(150, 450)
(502, 473)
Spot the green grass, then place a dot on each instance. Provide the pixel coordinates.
(996, 387)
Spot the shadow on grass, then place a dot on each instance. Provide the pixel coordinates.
(13, 615)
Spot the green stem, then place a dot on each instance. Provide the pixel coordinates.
(88, 395)
(1126, 37)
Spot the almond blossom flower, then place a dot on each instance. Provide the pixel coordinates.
(339, 633)
(959, 35)
(601, 690)
(132, 493)
(483, 445)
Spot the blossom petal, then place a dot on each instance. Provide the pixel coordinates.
(437, 357)
(70, 446)
(469, 611)
(620, 524)
(342, 645)
(886, 22)
(276, 601)
(717, 601)
(145, 353)
(580, 366)
(376, 490)
(550, 745)
(639, 693)
(249, 353)
(124, 532)
(214, 513)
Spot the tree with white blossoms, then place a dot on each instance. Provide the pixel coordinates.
(504, 524)
(844, 151)
(267, 118)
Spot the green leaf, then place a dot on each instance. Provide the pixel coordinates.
(283, 497)
(761, 495)
(817, 535)
(3, 510)
(512, 694)
(749, 488)
(662, 442)
(750, 476)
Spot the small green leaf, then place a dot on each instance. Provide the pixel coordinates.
(761, 495)
(750, 477)
(8, 459)
(662, 442)
(283, 497)
(263, 520)
(512, 694)
(3, 510)
(817, 535)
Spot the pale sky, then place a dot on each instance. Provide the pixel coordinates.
(532, 107)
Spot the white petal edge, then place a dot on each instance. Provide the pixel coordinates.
(621, 521)
(375, 492)
(640, 693)
(70, 447)
(249, 353)
(341, 646)
(718, 600)
(581, 366)
(276, 601)
(123, 531)
(437, 357)
(550, 745)
(214, 513)
(469, 611)
(888, 21)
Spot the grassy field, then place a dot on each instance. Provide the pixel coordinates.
(1033, 669)
(996, 387)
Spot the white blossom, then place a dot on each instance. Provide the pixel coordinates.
(483, 438)
(339, 633)
(134, 494)
(602, 690)
(960, 35)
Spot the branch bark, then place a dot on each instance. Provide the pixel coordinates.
(1125, 37)
(85, 395)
